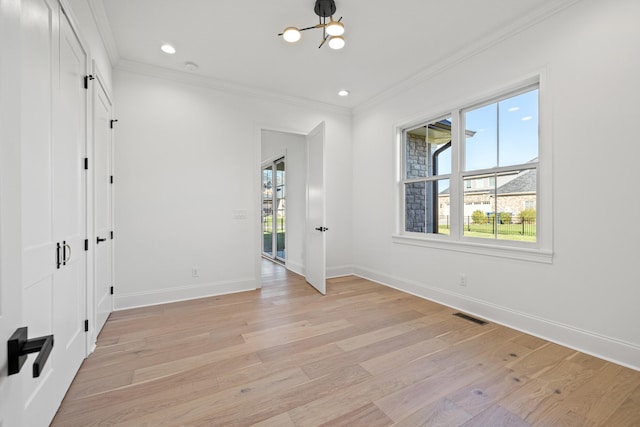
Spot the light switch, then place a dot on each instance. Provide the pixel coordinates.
(240, 214)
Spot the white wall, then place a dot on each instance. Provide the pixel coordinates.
(276, 144)
(186, 158)
(588, 297)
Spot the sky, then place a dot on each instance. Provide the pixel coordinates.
(506, 133)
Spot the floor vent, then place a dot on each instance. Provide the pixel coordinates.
(470, 318)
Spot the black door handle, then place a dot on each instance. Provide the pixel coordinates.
(19, 346)
(58, 261)
(322, 229)
(65, 258)
(98, 240)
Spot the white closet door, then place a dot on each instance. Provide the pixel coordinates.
(69, 202)
(53, 202)
(102, 113)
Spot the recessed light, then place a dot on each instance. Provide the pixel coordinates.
(512, 109)
(527, 118)
(191, 66)
(167, 48)
(344, 92)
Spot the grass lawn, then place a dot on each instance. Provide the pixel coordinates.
(505, 232)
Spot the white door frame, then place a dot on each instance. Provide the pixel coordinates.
(11, 412)
(257, 209)
(256, 218)
(92, 295)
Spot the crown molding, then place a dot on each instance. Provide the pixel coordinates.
(519, 25)
(104, 28)
(224, 86)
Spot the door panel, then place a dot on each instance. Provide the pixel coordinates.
(315, 244)
(53, 202)
(40, 26)
(103, 204)
(69, 204)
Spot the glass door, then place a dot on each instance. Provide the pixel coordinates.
(274, 210)
(280, 213)
(267, 211)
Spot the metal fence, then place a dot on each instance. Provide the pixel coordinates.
(503, 225)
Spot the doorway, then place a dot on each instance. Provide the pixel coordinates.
(274, 210)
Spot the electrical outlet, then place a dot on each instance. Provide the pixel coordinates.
(195, 272)
(463, 280)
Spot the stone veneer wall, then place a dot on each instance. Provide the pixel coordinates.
(416, 193)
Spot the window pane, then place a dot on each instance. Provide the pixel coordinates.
(443, 213)
(518, 129)
(479, 205)
(280, 209)
(501, 206)
(415, 207)
(267, 210)
(428, 150)
(481, 138)
(427, 207)
(516, 206)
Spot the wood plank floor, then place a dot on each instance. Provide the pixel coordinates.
(363, 355)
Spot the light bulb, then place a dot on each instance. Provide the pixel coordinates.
(336, 42)
(335, 28)
(291, 34)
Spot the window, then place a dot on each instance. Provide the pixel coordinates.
(500, 160)
(472, 176)
(428, 170)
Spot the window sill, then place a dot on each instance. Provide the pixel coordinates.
(502, 251)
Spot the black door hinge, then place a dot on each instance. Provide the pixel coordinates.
(86, 244)
(112, 235)
(86, 325)
(85, 163)
(112, 290)
(86, 80)
(111, 179)
(112, 122)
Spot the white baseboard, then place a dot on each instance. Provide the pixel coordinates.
(613, 350)
(340, 271)
(180, 293)
(295, 267)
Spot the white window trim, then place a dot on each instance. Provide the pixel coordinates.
(540, 251)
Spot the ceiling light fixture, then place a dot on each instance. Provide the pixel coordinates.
(332, 31)
(343, 92)
(167, 48)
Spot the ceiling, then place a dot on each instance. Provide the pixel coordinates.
(236, 42)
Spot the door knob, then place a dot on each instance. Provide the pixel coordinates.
(98, 240)
(19, 346)
(322, 229)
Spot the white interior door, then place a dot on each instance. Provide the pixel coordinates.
(315, 259)
(10, 209)
(102, 114)
(53, 202)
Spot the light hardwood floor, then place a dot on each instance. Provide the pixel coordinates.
(363, 355)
